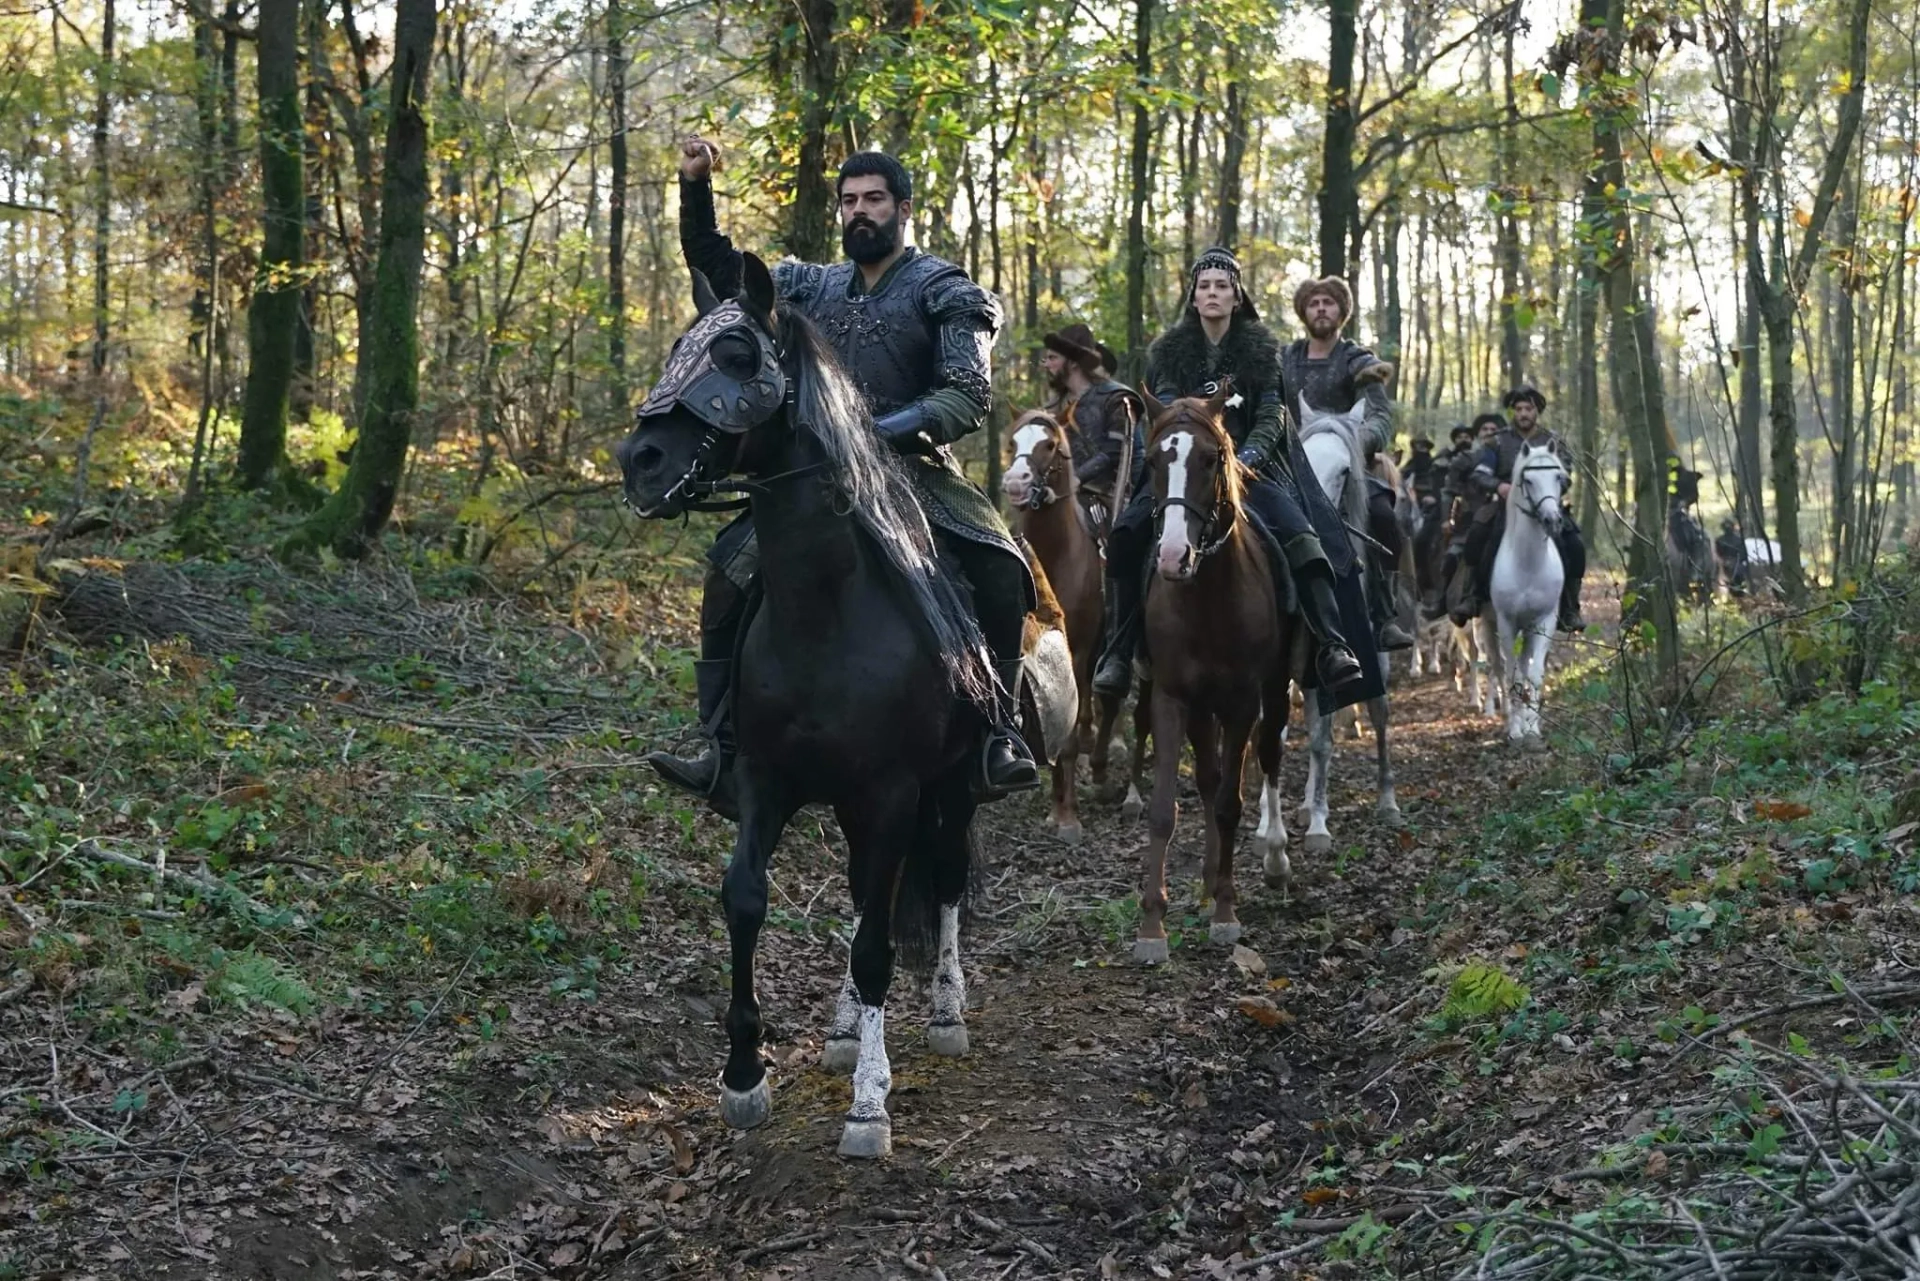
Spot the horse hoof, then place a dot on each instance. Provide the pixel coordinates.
(1150, 951)
(1130, 809)
(1223, 933)
(949, 1040)
(1278, 878)
(840, 1055)
(1319, 843)
(867, 1140)
(1390, 816)
(1070, 835)
(744, 1109)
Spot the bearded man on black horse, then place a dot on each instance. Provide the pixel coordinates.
(915, 334)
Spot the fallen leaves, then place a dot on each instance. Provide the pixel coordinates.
(1248, 961)
(1781, 811)
(1263, 1011)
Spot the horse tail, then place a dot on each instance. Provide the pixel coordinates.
(939, 871)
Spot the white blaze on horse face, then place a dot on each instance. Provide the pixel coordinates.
(1019, 478)
(1175, 541)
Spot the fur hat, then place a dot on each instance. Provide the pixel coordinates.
(1332, 286)
(1499, 421)
(1076, 343)
(1525, 391)
(1222, 259)
(1458, 430)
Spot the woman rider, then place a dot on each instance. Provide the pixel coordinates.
(1220, 337)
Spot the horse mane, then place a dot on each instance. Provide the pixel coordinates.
(1190, 413)
(829, 408)
(1353, 498)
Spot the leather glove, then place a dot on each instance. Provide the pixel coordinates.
(906, 430)
(1252, 456)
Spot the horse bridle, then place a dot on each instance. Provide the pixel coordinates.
(1208, 519)
(699, 493)
(1533, 510)
(1042, 493)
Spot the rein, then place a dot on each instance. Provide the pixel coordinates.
(700, 493)
(1208, 546)
(1532, 511)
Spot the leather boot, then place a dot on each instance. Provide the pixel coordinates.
(1387, 630)
(1337, 667)
(708, 775)
(1005, 763)
(1114, 675)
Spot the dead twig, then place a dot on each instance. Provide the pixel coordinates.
(1025, 1242)
(795, 1241)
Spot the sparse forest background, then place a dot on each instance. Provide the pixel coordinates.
(1690, 225)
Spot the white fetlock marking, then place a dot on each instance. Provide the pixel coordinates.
(949, 984)
(872, 1075)
(846, 1007)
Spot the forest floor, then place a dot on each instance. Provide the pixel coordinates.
(349, 939)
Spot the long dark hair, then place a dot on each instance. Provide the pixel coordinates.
(828, 407)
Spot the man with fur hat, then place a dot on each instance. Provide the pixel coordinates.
(1219, 340)
(1100, 414)
(1493, 477)
(1335, 373)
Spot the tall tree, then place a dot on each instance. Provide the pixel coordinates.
(1138, 187)
(617, 201)
(273, 315)
(1339, 198)
(1776, 288)
(1746, 87)
(805, 49)
(352, 519)
(1513, 343)
(1233, 148)
(102, 293)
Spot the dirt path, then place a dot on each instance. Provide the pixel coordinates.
(1110, 1121)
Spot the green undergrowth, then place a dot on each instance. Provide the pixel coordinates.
(359, 785)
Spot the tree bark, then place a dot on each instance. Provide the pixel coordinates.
(273, 315)
(352, 520)
(212, 166)
(1339, 198)
(1137, 192)
(617, 203)
(1844, 519)
(1777, 288)
(1636, 366)
(1513, 343)
(1744, 150)
(1233, 150)
(305, 386)
(102, 292)
(809, 234)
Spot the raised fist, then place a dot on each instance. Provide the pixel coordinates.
(699, 158)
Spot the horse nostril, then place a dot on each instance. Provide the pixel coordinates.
(645, 459)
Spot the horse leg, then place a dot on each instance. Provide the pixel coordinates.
(879, 834)
(1386, 807)
(1271, 837)
(1137, 765)
(1099, 723)
(1224, 929)
(1534, 671)
(1203, 729)
(1169, 732)
(745, 1098)
(1496, 666)
(948, 836)
(1319, 767)
(1516, 676)
(842, 1049)
(1066, 804)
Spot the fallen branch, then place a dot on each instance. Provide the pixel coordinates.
(1026, 1243)
(199, 879)
(779, 1244)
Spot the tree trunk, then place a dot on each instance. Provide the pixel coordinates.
(1749, 495)
(1339, 198)
(453, 187)
(1392, 316)
(273, 316)
(1137, 191)
(207, 101)
(1843, 518)
(810, 217)
(1777, 290)
(102, 292)
(1630, 343)
(301, 394)
(352, 520)
(617, 204)
(1513, 343)
(1233, 149)
(1422, 324)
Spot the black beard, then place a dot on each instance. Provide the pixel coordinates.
(1059, 382)
(869, 242)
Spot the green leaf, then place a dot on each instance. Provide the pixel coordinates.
(1766, 1142)
(1550, 86)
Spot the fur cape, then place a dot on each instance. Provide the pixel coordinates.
(1177, 361)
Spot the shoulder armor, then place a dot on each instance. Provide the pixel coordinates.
(950, 295)
(798, 282)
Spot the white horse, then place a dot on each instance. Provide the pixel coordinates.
(1338, 460)
(1525, 589)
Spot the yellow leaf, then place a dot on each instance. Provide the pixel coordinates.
(1802, 218)
(1320, 1196)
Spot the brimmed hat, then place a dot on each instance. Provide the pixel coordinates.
(1333, 286)
(1219, 258)
(1419, 442)
(1499, 421)
(1076, 343)
(1525, 391)
(1110, 361)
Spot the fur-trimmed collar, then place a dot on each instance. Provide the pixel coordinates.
(1250, 353)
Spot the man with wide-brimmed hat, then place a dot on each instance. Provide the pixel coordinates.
(1334, 373)
(1459, 498)
(1493, 477)
(1100, 414)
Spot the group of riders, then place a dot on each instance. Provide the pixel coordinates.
(916, 335)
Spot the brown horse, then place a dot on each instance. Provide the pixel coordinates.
(1040, 486)
(1219, 649)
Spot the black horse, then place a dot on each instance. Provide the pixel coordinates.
(860, 675)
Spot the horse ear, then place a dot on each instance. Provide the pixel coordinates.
(704, 299)
(756, 294)
(1154, 407)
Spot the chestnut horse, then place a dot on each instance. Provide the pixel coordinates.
(1219, 647)
(1041, 487)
